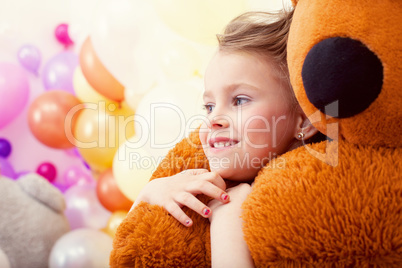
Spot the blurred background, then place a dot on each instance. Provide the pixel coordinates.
(93, 94)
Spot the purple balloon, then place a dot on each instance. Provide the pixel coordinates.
(30, 57)
(86, 165)
(63, 188)
(47, 170)
(61, 33)
(58, 72)
(14, 92)
(6, 169)
(5, 148)
(21, 173)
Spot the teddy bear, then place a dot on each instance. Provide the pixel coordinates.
(337, 203)
(32, 220)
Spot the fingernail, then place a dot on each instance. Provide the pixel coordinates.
(206, 211)
(188, 222)
(225, 197)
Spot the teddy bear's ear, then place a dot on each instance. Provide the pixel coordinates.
(40, 189)
(4, 262)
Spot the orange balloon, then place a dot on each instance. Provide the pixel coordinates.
(114, 221)
(99, 131)
(49, 114)
(97, 75)
(109, 193)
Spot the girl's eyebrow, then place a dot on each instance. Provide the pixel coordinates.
(206, 94)
(231, 88)
(240, 85)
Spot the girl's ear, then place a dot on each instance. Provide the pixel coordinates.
(308, 129)
(305, 130)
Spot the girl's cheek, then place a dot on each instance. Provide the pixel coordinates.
(257, 131)
(203, 133)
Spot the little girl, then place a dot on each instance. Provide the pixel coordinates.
(253, 117)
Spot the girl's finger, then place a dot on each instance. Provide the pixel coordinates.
(209, 189)
(214, 178)
(176, 211)
(198, 171)
(190, 201)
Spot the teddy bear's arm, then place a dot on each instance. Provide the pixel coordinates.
(150, 237)
(311, 214)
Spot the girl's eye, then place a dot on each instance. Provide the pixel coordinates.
(209, 108)
(240, 101)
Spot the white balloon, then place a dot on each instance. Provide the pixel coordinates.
(132, 168)
(83, 208)
(81, 248)
(33, 22)
(166, 115)
(120, 35)
(132, 97)
(80, 20)
(263, 5)
(180, 60)
(198, 21)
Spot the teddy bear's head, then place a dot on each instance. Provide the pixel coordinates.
(345, 63)
(32, 220)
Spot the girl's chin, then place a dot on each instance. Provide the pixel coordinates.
(234, 175)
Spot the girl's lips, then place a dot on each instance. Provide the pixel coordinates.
(221, 142)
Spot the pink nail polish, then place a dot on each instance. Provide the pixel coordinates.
(188, 222)
(206, 211)
(224, 197)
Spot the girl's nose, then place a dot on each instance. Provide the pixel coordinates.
(220, 121)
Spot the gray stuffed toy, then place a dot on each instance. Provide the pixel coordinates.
(31, 221)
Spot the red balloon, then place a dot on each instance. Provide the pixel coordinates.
(109, 193)
(48, 115)
(97, 75)
(47, 170)
(61, 33)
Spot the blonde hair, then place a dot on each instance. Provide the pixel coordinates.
(264, 33)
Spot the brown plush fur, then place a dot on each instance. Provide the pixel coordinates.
(149, 237)
(313, 214)
(377, 24)
(338, 207)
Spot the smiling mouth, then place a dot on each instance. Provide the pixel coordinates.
(222, 143)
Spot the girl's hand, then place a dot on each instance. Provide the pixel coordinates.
(180, 190)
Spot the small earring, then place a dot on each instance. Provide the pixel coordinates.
(300, 135)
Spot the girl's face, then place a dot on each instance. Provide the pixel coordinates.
(251, 118)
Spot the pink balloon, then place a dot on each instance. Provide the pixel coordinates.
(73, 152)
(76, 175)
(14, 92)
(58, 72)
(30, 57)
(47, 170)
(84, 209)
(61, 33)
